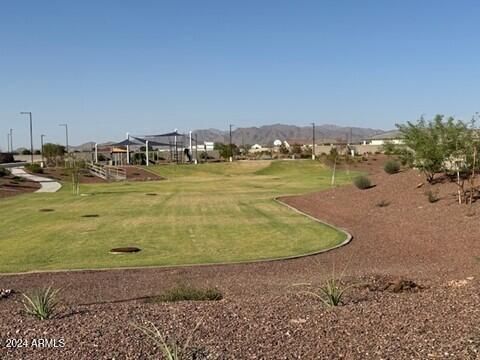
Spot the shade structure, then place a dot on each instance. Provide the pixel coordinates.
(150, 142)
(127, 142)
(174, 133)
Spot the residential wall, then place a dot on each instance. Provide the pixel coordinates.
(359, 149)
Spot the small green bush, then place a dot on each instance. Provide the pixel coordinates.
(362, 182)
(41, 303)
(188, 293)
(4, 172)
(391, 167)
(432, 196)
(34, 168)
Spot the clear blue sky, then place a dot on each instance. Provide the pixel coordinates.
(108, 67)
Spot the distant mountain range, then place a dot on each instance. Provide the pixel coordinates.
(266, 135)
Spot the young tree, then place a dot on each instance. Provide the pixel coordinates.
(425, 140)
(296, 149)
(53, 152)
(224, 150)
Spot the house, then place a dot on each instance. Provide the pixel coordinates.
(392, 137)
(258, 148)
(206, 146)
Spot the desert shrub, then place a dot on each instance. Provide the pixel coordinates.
(41, 303)
(432, 196)
(4, 172)
(362, 182)
(188, 293)
(391, 167)
(171, 349)
(331, 293)
(382, 203)
(34, 168)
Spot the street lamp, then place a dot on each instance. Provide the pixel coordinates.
(31, 132)
(313, 141)
(41, 142)
(66, 135)
(11, 140)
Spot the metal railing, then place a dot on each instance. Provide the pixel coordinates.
(109, 173)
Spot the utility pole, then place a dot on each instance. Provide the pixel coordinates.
(41, 142)
(313, 141)
(8, 142)
(66, 135)
(231, 148)
(31, 133)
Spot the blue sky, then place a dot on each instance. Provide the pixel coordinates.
(108, 67)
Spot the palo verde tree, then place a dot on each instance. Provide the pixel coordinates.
(225, 151)
(53, 153)
(444, 145)
(430, 143)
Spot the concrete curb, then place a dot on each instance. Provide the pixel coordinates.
(348, 239)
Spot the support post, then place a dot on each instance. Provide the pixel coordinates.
(196, 148)
(176, 148)
(190, 144)
(128, 149)
(96, 153)
(146, 152)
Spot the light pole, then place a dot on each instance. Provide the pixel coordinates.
(11, 140)
(313, 141)
(41, 144)
(231, 148)
(31, 132)
(66, 135)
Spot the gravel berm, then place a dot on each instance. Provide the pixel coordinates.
(413, 267)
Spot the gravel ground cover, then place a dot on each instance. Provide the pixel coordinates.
(265, 312)
(11, 186)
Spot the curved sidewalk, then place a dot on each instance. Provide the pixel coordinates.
(47, 185)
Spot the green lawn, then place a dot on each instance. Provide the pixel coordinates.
(208, 213)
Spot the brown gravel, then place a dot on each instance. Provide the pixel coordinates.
(265, 313)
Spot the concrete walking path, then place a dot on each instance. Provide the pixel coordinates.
(47, 185)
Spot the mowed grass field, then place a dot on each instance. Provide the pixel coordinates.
(208, 213)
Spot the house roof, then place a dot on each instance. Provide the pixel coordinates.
(387, 135)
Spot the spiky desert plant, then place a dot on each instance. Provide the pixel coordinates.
(41, 303)
(331, 293)
(171, 350)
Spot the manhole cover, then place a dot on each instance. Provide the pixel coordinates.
(46, 210)
(125, 250)
(90, 215)
(151, 194)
